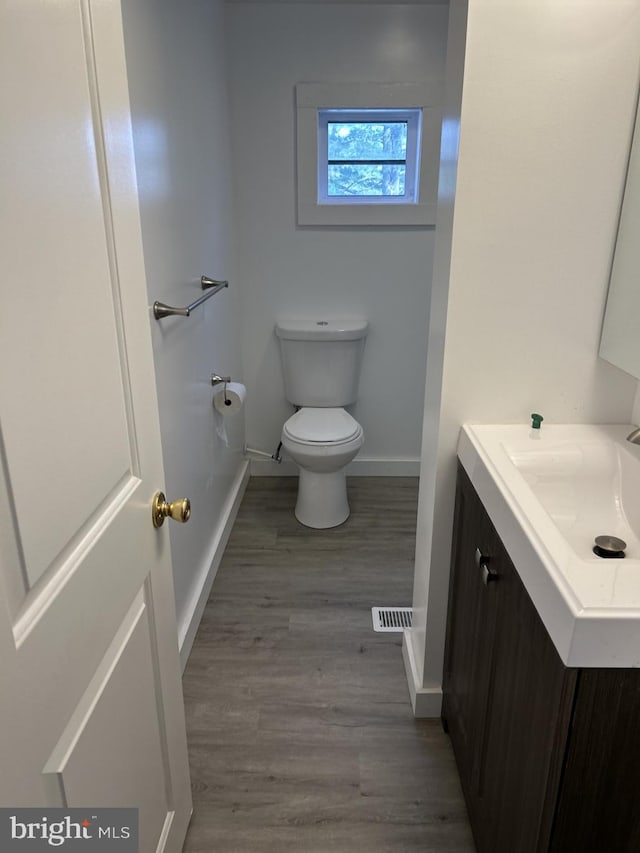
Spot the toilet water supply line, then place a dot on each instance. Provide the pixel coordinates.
(275, 456)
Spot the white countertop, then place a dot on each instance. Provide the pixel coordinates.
(589, 605)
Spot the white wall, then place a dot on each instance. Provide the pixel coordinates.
(382, 274)
(547, 108)
(177, 80)
(635, 412)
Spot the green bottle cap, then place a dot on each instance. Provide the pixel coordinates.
(536, 420)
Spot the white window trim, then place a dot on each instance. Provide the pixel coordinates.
(310, 97)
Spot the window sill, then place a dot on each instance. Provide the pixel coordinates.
(367, 214)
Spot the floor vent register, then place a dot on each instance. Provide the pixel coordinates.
(391, 618)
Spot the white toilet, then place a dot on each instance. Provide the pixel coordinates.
(321, 363)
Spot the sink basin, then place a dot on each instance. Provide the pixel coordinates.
(588, 486)
(549, 497)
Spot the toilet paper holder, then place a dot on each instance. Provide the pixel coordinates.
(216, 380)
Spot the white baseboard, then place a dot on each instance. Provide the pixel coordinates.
(189, 626)
(357, 468)
(425, 701)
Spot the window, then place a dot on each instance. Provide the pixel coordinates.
(367, 153)
(368, 156)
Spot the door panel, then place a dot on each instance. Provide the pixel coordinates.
(63, 286)
(104, 731)
(91, 711)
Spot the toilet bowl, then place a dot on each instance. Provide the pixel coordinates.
(322, 442)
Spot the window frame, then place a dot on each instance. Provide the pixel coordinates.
(411, 117)
(313, 98)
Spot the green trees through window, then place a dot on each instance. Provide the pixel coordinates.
(366, 158)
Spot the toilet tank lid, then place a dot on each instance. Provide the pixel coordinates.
(318, 330)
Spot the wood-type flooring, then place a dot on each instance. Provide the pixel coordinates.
(300, 728)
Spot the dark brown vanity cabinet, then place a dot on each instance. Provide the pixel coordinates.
(549, 757)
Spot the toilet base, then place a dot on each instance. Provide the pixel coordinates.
(322, 499)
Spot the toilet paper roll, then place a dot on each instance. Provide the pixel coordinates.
(231, 400)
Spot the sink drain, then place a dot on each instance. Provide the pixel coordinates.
(609, 547)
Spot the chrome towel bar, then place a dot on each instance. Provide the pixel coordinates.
(211, 286)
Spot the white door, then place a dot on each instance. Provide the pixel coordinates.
(91, 707)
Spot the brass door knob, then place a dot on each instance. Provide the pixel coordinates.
(177, 510)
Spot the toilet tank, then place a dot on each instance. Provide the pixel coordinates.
(321, 360)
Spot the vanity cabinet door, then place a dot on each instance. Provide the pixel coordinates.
(527, 724)
(507, 695)
(469, 644)
(599, 804)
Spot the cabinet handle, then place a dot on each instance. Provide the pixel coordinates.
(488, 575)
(482, 562)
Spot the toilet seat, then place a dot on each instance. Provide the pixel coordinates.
(322, 442)
(321, 426)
